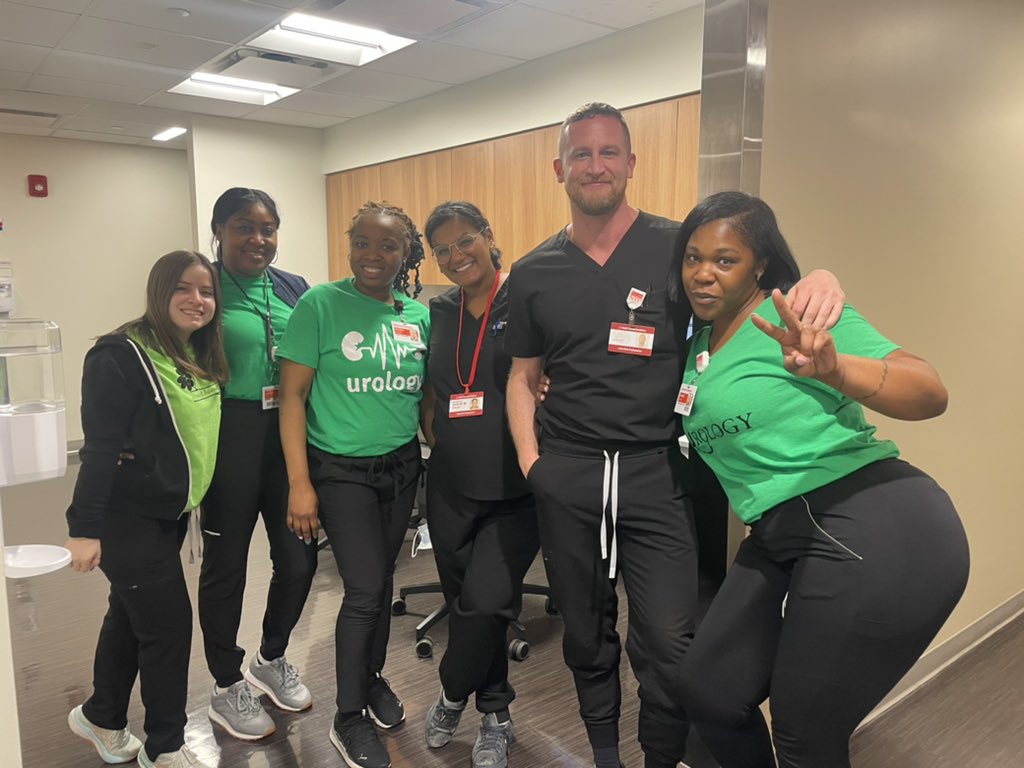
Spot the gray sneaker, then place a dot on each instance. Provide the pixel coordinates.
(118, 746)
(492, 743)
(280, 681)
(441, 723)
(240, 713)
(183, 758)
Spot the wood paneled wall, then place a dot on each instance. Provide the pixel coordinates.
(512, 181)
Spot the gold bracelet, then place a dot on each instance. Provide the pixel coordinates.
(885, 375)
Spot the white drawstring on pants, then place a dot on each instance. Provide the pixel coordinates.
(610, 491)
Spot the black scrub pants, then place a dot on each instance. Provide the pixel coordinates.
(365, 506)
(146, 632)
(250, 480)
(482, 550)
(831, 599)
(657, 557)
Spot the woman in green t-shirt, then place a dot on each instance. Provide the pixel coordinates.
(353, 366)
(855, 558)
(150, 406)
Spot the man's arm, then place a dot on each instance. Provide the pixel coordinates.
(521, 403)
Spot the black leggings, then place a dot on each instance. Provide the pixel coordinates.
(365, 505)
(832, 598)
(250, 481)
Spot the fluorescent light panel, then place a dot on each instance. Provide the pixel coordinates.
(214, 86)
(170, 133)
(303, 35)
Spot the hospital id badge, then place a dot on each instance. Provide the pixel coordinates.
(468, 404)
(271, 397)
(405, 332)
(627, 339)
(684, 400)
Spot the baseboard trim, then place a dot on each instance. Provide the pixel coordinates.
(948, 652)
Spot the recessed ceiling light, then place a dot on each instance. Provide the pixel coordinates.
(169, 134)
(213, 86)
(304, 35)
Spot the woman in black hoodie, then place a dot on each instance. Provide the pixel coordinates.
(150, 409)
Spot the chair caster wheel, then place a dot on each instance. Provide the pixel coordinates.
(398, 607)
(424, 647)
(518, 649)
(550, 607)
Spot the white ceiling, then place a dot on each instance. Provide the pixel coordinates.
(100, 69)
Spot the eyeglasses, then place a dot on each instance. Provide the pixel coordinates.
(444, 252)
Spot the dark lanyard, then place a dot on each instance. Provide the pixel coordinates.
(268, 320)
(479, 337)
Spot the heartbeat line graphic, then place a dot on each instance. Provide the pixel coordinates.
(383, 343)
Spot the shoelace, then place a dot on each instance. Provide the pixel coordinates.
(493, 739)
(289, 673)
(447, 718)
(245, 702)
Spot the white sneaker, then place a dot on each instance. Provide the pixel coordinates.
(183, 758)
(113, 746)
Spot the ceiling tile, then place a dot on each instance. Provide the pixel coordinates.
(34, 26)
(291, 117)
(227, 20)
(128, 113)
(198, 104)
(34, 124)
(151, 46)
(118, 127)
(40, 102)
(409, 18)
(85, 66)
(518, 30)
(88, 90)
(71, 6)
(444, 63)
(613, 13)
(383, 86)
(23, 130)
(13, 80)
(113, 138)
(20, 57)
(320, 103)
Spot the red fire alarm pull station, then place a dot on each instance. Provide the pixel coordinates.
(37, 186)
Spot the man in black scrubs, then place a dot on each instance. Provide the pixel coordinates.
(589, 308)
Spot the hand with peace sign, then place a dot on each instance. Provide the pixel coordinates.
(806, 350)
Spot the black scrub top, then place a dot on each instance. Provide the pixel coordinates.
(561, 308)
(475, 454)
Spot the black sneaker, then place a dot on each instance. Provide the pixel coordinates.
(356, 740)
(382, 704)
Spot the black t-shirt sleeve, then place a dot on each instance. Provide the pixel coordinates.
(523, 337)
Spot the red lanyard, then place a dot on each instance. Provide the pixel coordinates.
(480, 336)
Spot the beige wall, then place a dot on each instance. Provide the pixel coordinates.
(82, 255)
(283, 161)
(648, 62)
(893, 152)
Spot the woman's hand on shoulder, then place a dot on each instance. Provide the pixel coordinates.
(818, 299)
(302, 512)
(85, 553)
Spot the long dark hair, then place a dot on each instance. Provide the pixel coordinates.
(755, 223)
(155, 328)
(411, 264)
(451, 210)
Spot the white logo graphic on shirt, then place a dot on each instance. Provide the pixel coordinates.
(383, 346)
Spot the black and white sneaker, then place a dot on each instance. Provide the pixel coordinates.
(383, 706)
(357, 741)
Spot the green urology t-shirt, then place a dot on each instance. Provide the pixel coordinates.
(768, 435)
(369, 368)
(195, 407)
(245, 302)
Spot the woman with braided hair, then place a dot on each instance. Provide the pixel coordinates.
(353, 366)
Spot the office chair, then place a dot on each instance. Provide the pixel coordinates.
(517, 648)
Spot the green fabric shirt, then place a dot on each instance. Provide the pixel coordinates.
(245, 301)
(367, 387)
(768, 435)
(195, 407)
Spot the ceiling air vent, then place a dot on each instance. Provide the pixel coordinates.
(270, 67)
(26, 120)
